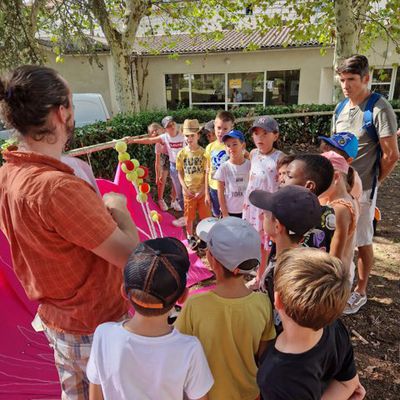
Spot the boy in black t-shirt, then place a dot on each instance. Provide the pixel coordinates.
(312, 358)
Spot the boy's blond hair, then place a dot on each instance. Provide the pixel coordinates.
(312, 285)
(154, 125)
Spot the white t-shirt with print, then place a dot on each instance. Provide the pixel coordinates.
(130, 366)
(174, 144)
(236, 178)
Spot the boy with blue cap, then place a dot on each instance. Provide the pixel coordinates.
(345, 144)
(233, 175)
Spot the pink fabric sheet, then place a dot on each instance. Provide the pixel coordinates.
(27, 368)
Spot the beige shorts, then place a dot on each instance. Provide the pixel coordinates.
(365, 228)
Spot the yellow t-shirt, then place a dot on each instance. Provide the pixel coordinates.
(230, 331)
(216, 155)
(193, 165)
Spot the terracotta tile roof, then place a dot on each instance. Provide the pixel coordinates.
(231, 41)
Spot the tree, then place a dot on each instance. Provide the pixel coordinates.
(350, 25)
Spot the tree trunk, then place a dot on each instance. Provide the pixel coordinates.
(348, 28)
(125, 79)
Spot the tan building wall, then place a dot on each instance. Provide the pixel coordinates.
(307, 60)
(316, 72)
(86, 78)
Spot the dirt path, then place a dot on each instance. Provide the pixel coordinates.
(377, 351)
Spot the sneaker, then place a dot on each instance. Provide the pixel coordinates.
(175, 205)
(180, 222)
(163, 205)
(355, 302)
(193, 242)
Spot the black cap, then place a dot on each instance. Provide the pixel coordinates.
(296, 207)
(157, 267)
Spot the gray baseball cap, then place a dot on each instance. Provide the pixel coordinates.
(209, 126)
(265, 122)
(166, 120)
(231, 241)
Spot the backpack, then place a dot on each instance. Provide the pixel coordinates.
(368, 125)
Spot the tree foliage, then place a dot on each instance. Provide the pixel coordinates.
(75, 26)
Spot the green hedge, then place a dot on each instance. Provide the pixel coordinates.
(294, 130)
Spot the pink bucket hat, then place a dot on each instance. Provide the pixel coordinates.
(339, 163)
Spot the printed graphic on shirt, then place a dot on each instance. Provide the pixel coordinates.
(217, 159)
(178, 145)
(193, 165)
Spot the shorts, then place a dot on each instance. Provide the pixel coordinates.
(365, 228)
(164, 161)
(71, 355)
(193, 205)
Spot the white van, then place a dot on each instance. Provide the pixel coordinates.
(88, 108)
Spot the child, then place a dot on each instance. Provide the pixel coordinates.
(282, 165)
(161, 166)
(288, 214)
(209, 131)
(216, 155)
(313, 356)
(263, 173)
(233, 176)
(174, 142)
(315, 173)
(346, 212)
(144, 357)
(345, 144)
(191, 166)
(232, 323)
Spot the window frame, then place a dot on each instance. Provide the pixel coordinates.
(391, 84)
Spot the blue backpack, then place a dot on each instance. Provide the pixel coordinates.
(368, 125)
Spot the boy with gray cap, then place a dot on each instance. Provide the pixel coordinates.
(144, 357)
(232, 323)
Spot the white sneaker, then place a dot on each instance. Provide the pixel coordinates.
(355, 302)
(180, 222)
(175, 205)
(163, 205)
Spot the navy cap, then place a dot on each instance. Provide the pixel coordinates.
(265, 122)
(345, 141)
(295, 207)
(235, 135)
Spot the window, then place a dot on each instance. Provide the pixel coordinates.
(208, 88)
(386, 81)
(223, 91)
(246, 87)
(381, 79)
(177, 90)
(282, 87)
